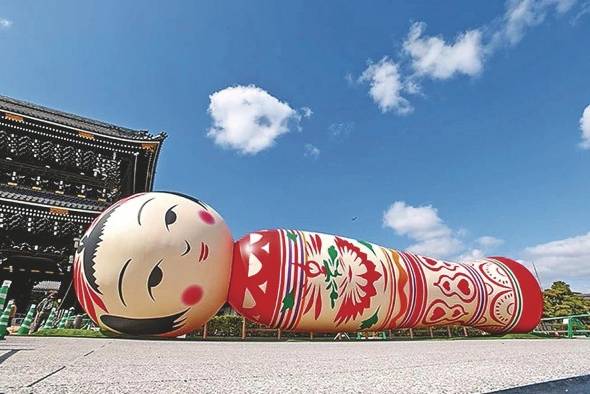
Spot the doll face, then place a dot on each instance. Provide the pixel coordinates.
(154, 264)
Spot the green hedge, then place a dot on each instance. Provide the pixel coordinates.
(225, 326)
(231, 326)
(69, 332)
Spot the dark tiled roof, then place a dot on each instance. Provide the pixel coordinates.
(46, 198)
(79, 122)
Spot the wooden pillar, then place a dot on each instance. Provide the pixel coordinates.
(20, 291)
(243, 328)
(449, 331)
(279, 334)
(431, 333)
(205, 331)
(411, 333)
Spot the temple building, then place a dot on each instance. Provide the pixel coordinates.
(58, 171)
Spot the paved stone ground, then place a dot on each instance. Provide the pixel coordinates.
(114, 365)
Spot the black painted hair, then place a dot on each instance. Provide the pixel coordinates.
(89, 245)
(201, 203)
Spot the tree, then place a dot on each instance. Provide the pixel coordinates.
(560, 300)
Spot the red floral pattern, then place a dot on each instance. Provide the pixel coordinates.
(314, 273)
(357, 284)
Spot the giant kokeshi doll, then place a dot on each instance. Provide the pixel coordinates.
(163, 264)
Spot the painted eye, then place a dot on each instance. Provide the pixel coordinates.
(154, 279)
(170, 217)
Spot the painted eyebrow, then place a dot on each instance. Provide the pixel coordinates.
(141, 208)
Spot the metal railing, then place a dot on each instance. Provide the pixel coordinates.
(248, 329)
(565, 326)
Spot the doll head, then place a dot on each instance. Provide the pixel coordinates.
(154, 264)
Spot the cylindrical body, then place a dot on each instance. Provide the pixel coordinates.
(64, 319)
(4, 319)
(26, 324)
(50, 319)
(304, 281)
(4, 292)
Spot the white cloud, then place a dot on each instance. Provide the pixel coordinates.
(386, 86)
(471, 255)
(416, 222)
(562, 6)
(481, 249)
(431, 236)
(248, 119)
(585, 127)
(306, 112)
(422, 224)
(349, 79)
(521, 15)
(567, 259)
(342, 129)
(412, 87)
(442, 247)
(433, 57)
(584, 10)
(5, 23)
(311, 151)
(488, 241)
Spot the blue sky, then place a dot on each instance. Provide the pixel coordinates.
(453, 129)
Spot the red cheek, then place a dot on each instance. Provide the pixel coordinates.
(206, 217)
(191, 295)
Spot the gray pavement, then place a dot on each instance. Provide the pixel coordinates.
(57, 365)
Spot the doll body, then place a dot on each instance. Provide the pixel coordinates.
(305, 281)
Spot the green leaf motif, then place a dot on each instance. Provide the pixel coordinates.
(371, 321)
(328, 273)
(288, 301)
(333, 298)
(333, 293)
(292, 236)
(332, 252)
(331, 273)
(368, 245)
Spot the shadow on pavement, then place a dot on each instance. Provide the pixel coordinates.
(575, 385)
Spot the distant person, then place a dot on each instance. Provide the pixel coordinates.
(12, 313)
(43, 310)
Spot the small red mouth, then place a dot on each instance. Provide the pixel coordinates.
(204, 252)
